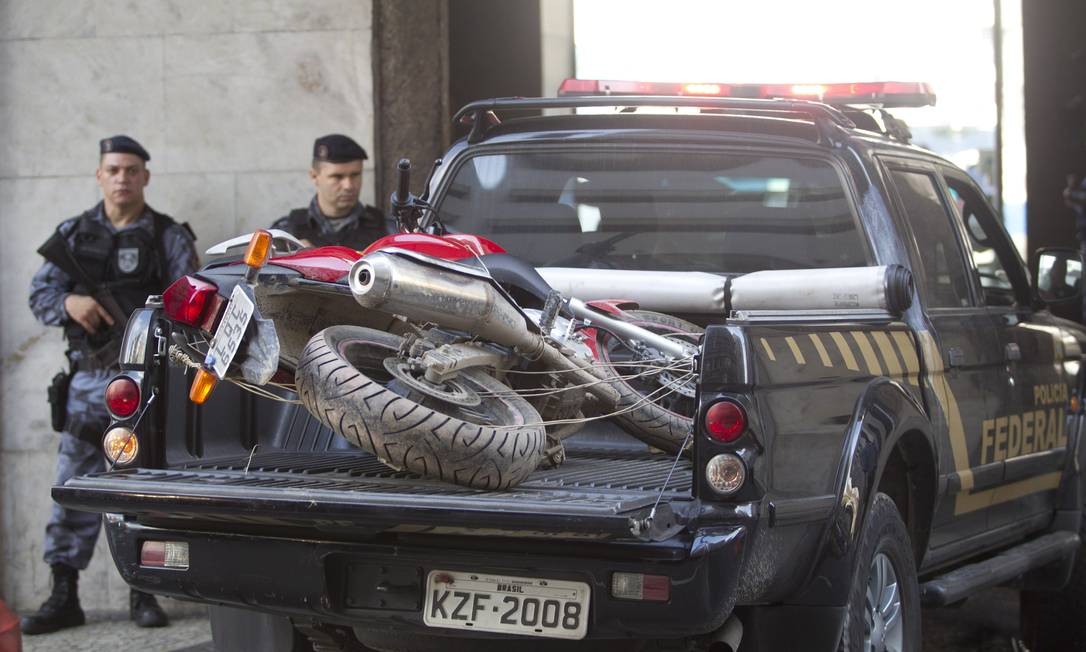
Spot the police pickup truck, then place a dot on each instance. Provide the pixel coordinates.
(883, 454)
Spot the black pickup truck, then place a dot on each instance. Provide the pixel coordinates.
(890, 457)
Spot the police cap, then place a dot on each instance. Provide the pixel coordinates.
(124, 145)
(337, 148)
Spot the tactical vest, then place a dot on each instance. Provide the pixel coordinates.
(370, 227)
(130, 264)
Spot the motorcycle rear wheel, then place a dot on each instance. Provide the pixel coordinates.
(342, 381)
(647, 409)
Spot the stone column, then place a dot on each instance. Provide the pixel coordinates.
(411, 89)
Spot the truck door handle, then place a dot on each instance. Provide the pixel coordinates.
(955, 357)
(1012, 352)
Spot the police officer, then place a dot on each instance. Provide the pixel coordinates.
(128, 250)
(1074, 196)
(335, 216)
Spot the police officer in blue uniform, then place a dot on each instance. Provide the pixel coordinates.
(128, 250)
(335, 216)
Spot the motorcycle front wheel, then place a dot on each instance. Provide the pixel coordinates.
(343, 381)
(656, 397)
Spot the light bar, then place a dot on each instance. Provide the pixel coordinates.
(886, 94)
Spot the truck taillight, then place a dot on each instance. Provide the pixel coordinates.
(192, 301)
(725, 421)
(120, 445)
(165, 554)
(725, 473)
(636, 586)
(122, 397)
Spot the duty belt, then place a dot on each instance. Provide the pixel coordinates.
(106, 357)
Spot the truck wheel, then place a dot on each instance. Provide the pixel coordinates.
(655, 409)
(884, 602)
(342, 381)
(1056, 620)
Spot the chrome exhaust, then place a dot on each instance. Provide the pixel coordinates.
(422, 293)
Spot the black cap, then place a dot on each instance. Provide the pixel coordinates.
(337, 148)
(124, 145)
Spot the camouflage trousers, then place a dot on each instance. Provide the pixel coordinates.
(70, 534)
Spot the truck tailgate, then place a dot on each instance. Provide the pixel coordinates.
(594, 493)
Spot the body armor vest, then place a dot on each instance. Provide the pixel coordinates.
(370, 227)
(130, 264)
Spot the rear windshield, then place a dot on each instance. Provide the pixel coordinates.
(657, 210)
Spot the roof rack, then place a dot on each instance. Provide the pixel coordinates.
(828, 120)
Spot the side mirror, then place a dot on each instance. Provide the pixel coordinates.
(1057, 275)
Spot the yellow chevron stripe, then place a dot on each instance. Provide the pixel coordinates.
(768, 351)
(796, 353)
(867, 352)
(886, 349)
(846, 351)
(823, 354)
(908, 354)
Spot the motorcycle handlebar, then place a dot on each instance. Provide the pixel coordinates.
(403, 189)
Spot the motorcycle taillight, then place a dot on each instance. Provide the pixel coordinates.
(192, 301)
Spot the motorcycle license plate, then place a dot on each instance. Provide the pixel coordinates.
(231, 330)
(510, 605)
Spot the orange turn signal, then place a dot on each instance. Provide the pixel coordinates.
(259, 248)
(202, 385)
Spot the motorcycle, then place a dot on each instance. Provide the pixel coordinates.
(458, 362)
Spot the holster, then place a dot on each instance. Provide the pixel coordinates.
(87, 428)
(58, 400)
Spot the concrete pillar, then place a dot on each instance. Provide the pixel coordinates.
(558, 60)
(227, 97)
(411, 82)
(1055, 115)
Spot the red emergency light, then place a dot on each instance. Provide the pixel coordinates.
(885, 94)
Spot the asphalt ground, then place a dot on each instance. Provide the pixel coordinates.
(985, 623)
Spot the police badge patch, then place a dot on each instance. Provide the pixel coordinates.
(128, 259)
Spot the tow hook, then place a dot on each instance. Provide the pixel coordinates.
(659, 524)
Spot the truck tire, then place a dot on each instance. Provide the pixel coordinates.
(1056, 620)
(883, 610)
(493, 445)
(664, 423)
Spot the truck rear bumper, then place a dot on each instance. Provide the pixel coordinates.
(380, 585)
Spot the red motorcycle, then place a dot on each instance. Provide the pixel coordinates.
(462, 364)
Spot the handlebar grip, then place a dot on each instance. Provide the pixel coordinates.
(404, 168)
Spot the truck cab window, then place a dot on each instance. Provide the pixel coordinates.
(945, 283)
(994, 257)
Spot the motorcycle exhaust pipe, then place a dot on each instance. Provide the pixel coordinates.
(423, 293)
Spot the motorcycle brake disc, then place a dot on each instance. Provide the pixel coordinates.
(450, 391)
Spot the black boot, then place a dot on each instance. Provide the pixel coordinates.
(144, 609)
(62, 609)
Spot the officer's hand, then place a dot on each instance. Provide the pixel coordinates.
(86, 312)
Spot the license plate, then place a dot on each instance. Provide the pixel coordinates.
(511, 605)
(231, 330)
